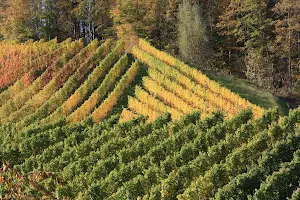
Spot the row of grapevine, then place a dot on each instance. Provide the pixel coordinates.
(107, 105)
(44, 61)
(58, 155)
(155, 103)
(151, 158)
(167, 96)
(143, 131)
(19, 85)
(142, 108)
(177, 89)
(276, 185)
(88, 148)
(200, 78)
(194, 151)
(89, 105)
(176, 182)
(39, 63)
(128, 155)
(212, 99)
(187, 152)
(106, 163)
(163, 167)
(190, 158)
(57, 82)
(240, 158)
(17, 59)
(22, 94)
(269, 162)
(68, 88)
(89, 85)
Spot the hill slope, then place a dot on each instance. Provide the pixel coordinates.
(72, 82)
(73, 86)
(250, 91)
(65, 139)
(186, 159)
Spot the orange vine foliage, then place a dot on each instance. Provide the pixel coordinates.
(18, 59)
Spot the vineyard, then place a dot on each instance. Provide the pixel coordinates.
(189, 158)
(70, 81)
(93, 122)
(45, 81)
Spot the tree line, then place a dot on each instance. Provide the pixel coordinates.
(254, 39)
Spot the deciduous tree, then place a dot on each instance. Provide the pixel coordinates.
(287, 42)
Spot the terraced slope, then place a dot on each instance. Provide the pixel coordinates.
(190, 158)
(74, 84)
(172, 86)
(77, 83)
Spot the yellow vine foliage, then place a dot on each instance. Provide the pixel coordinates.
(143, 109)
(215, 96)
(17, 60)
(187, 95)
(25, 94)
(100, 113)
(89, 105)
(167, 96)
(42, 96)
(126, 115)
(168, 71)
(155, 103)
(200, 78)
(83, 90)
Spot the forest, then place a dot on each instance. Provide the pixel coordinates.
(258, 40)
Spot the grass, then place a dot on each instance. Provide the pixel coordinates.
(250, 91)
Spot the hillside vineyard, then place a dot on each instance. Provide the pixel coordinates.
(186, 159)
(73, 82)
(94, 122)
